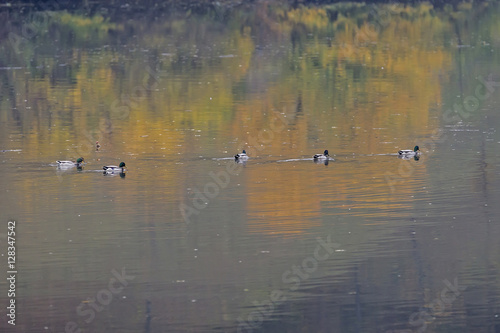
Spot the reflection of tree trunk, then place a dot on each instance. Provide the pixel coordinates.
(147, 328)
(10, 91)
(418, 262)
(483, 180)
(483, 188)
(298, 110)
(358, 302)
(459, 38)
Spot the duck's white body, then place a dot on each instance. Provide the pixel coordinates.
(114, 168)
(70, 164)
(111, 167)
(67, 163)
(320, 157)
(409, 152)
(406, 152)
(241, 156)
(323, 156)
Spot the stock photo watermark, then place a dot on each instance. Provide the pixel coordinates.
(39, 23)
(221, 179)
(29, 30)
(380, 18)
(102, 299)
(459, 113)
(11, 271)
(428, 313)
(292, 279)
(120, 108)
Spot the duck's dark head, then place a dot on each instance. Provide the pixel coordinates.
(122, 165)
(80, 160)
(325, 152)
(244, 152)
(416, 149)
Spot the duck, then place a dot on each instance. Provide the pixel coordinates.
(322, 156)
(409, 152)
(66, 164)
(97, 145)
(114, 168)
(241, 156)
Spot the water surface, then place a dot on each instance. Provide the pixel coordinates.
(368, 242)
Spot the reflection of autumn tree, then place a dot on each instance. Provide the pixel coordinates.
(347, 77)
(375, 82)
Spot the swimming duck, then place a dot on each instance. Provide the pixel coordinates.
(67, 164)
(114, 168)
(241, 156)
(97, 145)
(409, 152)
(322, 156)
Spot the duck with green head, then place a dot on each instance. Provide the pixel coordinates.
(241, 156)
(69, 164)
(323, 156)
(409, 152)
(113, 168)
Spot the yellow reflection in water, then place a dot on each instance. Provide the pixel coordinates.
(321, 78)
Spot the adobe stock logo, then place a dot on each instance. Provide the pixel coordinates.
(452, 116)
(438, 307)
(292, 278)
(210, 191)
(102, 299)
(278, 122)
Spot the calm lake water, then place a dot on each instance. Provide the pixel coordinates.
(191, 241)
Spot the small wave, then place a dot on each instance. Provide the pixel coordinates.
(295, 160)
(222, 158)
